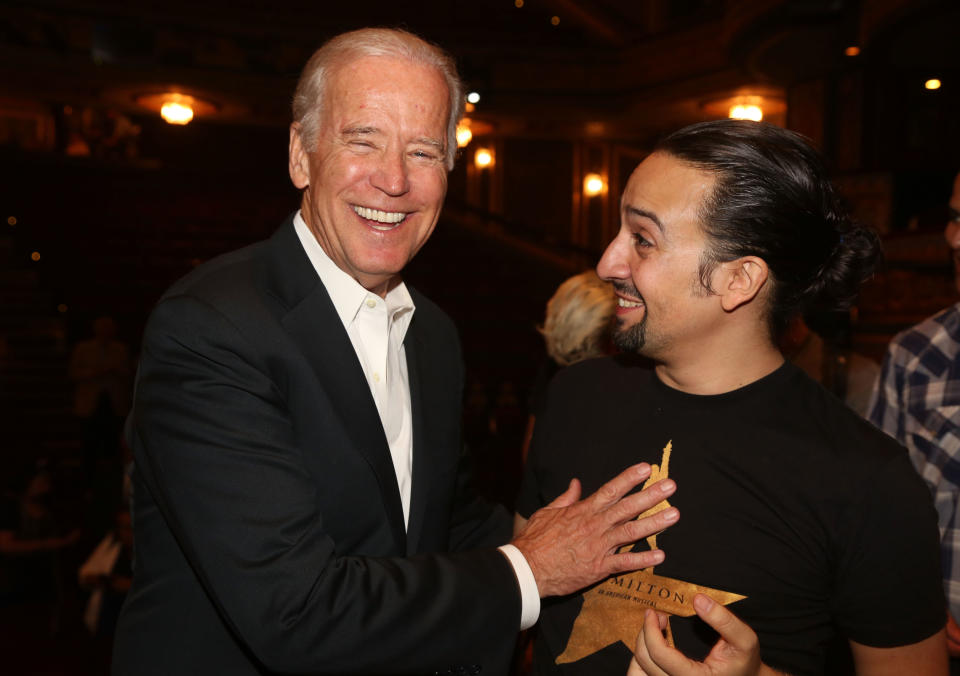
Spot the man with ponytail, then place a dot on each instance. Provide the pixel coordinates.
(807, 540)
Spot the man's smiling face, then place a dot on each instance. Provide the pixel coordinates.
(653, 263)
(376, 179)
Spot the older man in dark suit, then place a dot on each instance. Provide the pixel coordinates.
(300, 505)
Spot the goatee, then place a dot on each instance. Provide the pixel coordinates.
(632, 338)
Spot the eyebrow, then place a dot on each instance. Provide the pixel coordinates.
(643, 213)
(358, 131)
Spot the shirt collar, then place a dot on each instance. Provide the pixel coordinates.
(345, 292)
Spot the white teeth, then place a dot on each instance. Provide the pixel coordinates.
(622, 302)
(390, 217)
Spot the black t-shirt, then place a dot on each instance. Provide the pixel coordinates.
(785, 496)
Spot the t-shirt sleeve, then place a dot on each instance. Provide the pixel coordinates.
(888, 588)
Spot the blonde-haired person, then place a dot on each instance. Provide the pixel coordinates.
(579, 315)
(576, 327)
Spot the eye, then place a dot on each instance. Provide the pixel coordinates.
(424, 155)
(641, 241)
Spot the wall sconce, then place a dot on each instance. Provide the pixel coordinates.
(593, 185)
(747, 110)
(176, 108)
(483, 158)
(464, 135)
(756, 103)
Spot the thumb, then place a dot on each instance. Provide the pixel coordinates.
(568, 497)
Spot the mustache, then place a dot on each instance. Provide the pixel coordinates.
(627, 289)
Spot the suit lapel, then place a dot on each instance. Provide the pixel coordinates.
(424, 444)
(313, 324)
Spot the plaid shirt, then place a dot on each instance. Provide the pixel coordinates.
(917, 401)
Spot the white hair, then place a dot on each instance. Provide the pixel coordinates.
(348, 47)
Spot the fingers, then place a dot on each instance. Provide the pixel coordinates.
(637, 529)
(731, 629)
(635, 669)
(568, 497)
(637, 503)
(650, 639)
(609, 493)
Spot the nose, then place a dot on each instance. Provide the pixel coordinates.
(390, 175)
(613, 264)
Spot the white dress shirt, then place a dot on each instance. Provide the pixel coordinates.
(376, 327)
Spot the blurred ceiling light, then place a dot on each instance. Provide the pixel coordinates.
(473, 97)
(469, 107)
(62, 308)
(483, 158)
(933, 83)
(518, 3)
(464, 135)
(35, 256)
(11, 220)
(593, 184)
(746, 111)
(852, 50)
(175, 112)
(555, 20)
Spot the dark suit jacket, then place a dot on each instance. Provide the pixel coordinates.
(268, 527)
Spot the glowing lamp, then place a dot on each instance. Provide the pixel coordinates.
(483, 158)
(933, 83)
(176, 112)
(593, 184)
(744, 111)
(464, 135)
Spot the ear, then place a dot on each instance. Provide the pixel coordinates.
(299, 164)
(741, 281)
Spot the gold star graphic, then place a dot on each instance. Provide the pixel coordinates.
(614, 609)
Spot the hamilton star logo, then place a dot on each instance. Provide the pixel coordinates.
(614, 609)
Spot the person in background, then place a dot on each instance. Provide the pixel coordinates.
(916, 400)
(848, 374)
(101, 373)
(577, 326)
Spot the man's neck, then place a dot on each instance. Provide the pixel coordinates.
(720, 368)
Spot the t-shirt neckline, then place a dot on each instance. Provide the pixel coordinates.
(771, 381)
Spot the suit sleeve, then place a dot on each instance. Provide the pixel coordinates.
(218, 453)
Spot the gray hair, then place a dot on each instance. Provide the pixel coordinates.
(578, 320)
(348, 47)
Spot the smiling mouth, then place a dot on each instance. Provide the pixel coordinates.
(624, 303)
(380, 220)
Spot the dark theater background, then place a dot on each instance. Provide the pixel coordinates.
(104, 204)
